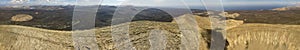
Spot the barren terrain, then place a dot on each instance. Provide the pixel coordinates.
(50, 30)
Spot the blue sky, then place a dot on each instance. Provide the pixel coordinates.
(151, 2)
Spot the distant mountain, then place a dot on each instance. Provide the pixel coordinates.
(33, 7)
(244, 7)
(293, 7)
(60, 17)
(287, 8)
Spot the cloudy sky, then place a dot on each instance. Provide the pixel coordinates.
(149, 2)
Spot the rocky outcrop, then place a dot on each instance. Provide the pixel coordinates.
(21, 17)
(202, 22)
(230, 16)
(205, 22)
(224, 14)
(233, 23)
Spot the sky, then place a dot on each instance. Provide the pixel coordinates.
(150, 2)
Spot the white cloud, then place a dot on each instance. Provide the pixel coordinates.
(18, 1)
(159, 1)
(120, 0)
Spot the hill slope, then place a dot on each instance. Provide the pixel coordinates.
(13, 37)
(264, 37)
(249, 36)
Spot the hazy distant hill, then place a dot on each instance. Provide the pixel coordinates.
(244, 7)
(292, 7)
(287, 8)
(270, 17)
(61, 19)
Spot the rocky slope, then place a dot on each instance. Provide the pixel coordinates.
(205, 21)
(254, 36)
(244, 37)
(28, 38)
(263, 37)
(240, 36)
